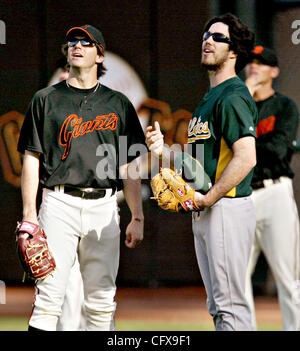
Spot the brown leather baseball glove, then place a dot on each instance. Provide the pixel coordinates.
(172, 192)
(33, 250)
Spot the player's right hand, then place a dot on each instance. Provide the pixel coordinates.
(155, 139)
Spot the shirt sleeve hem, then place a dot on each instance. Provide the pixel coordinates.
(29, 148)
(240, 137)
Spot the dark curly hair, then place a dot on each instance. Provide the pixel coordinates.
(100, 69)
(240, 35)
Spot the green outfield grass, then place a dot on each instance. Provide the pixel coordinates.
(20, 324)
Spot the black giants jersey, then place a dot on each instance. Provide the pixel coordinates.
(83, 136)
(276, 131)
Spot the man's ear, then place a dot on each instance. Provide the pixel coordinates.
(232, 54)
(275, 72)
(99, 58)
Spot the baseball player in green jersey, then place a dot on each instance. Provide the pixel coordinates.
(223, 125)
(76, 138)
(277, 227)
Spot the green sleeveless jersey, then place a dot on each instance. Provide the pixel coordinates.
(226, 114)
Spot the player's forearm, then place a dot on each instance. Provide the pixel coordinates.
(133, 196)
(242, 162)
(29, 185)
(132, 191)
(234, 173)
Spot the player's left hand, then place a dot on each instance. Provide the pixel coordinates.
(134, 233)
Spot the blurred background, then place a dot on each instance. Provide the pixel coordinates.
(160, 41)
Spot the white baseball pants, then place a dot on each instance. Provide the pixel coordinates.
(91, 228)
(223, 236)
(73, 311)
(277, 235)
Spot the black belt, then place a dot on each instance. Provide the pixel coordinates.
(87, 194)
(260, 183)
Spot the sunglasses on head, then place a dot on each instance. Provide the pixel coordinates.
(84, 42)
(218, 37)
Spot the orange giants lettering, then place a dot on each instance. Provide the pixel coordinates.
(73, 127)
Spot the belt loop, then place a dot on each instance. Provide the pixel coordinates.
(61, 188)
(268, 182)
(108, 192)
(56, 188)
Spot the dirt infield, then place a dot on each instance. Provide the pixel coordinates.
(161, 304)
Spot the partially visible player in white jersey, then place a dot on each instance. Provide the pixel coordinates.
(277, 228)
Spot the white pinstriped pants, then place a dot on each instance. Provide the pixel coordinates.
(91, 228)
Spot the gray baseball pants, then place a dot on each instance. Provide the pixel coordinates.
(223, 236)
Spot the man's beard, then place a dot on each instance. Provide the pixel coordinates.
(216, 66)
(209, 67)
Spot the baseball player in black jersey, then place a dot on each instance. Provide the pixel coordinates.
(277, 229)
(80, 140)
